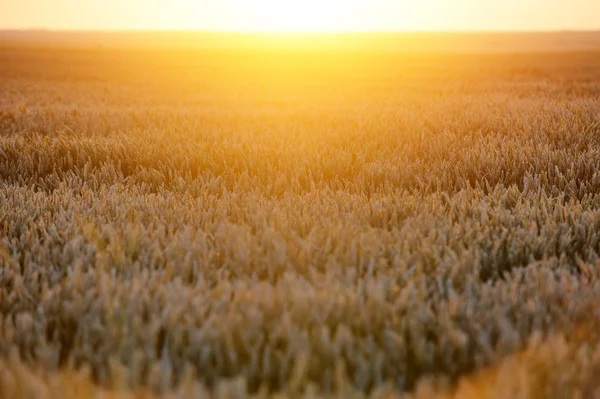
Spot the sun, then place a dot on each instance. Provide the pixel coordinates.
(299, 15)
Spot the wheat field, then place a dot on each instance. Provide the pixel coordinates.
(260, 222)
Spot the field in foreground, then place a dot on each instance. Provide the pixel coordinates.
(302, 223)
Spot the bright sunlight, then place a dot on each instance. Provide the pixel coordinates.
(300, 16)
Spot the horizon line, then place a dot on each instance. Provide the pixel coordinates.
(295, 32)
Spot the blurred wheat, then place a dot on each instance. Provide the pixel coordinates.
(309, 225)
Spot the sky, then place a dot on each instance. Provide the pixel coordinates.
(301, 15)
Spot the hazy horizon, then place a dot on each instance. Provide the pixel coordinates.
(407, 42)
(299, 32)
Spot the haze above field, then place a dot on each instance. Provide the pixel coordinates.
(307, 15)
(415, 42)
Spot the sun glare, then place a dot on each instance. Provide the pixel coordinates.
(299, 16)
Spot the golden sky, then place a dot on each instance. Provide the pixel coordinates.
(301, 15)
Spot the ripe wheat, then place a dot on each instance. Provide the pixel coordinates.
(309, 224)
